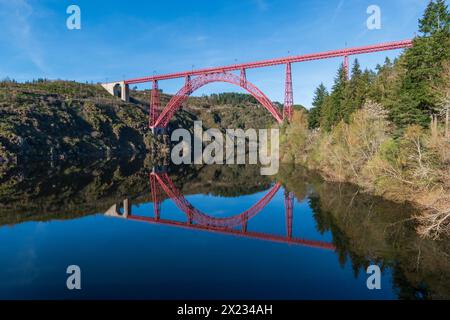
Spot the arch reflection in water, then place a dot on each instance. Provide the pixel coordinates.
(161, 184)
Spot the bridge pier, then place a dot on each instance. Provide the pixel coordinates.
(188, 84)
(289, 206)
(156, 196)
(244, 223)
(346, 68)
(114, 211)
(288, 94)
(155, 106)
(243, 77)
(118, 89)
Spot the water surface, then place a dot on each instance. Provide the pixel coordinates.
(219, 232)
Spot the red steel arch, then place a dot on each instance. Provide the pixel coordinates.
(194, 84)
(214, 74)
(196, 215)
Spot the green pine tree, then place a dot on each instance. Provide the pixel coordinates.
(435, 19)
(383, 88)
(332, 109)
(320, 95)
(423, 65)
(355, 91)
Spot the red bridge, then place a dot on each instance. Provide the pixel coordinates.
(195, 79)
(235, 225)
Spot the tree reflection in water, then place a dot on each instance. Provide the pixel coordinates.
(365, 229)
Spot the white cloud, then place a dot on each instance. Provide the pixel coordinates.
(15, 20)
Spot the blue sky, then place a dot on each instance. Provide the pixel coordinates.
(136, 38)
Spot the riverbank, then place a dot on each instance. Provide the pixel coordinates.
(368, 229)
(414, 167)
(387, 130)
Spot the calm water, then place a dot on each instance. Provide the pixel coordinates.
(301, 238)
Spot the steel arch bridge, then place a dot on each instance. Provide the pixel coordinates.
(159, 116)
(192, 85)
(195, 215)
(160, 184)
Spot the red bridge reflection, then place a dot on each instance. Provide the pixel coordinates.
(236, 225)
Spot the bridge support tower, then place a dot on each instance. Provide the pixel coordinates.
(288, 94)
(346, 68)
(289, 206)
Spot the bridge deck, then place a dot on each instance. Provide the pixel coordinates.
(279, 61)
(229, 231)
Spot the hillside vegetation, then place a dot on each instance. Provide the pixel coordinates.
(53, 120)
(62, 120)
(387, 130)
(222, 111)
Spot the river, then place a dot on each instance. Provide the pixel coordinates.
(219, 232)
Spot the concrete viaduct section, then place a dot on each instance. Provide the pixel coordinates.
(115, 210)
(118, 89)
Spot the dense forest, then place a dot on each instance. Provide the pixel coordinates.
(412, 88)
(387, 130)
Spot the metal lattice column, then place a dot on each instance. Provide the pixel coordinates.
(288, 94)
